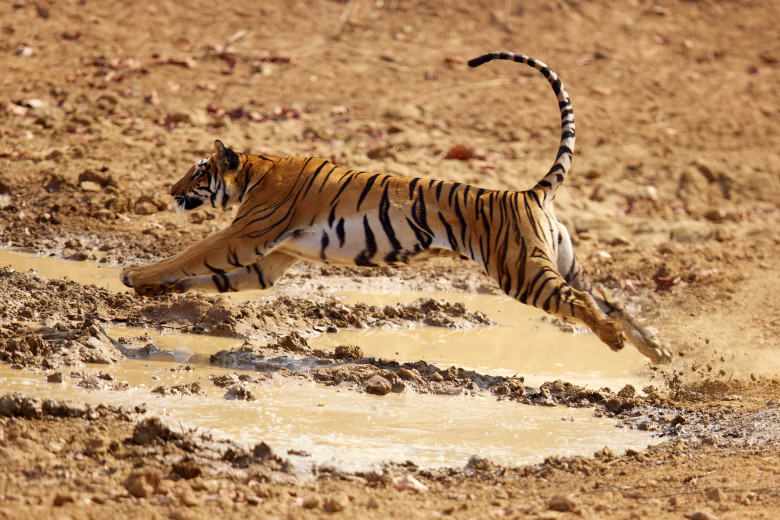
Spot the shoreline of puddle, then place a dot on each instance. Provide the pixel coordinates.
(430, 430)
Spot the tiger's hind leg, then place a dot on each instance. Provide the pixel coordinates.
(641, 338)
(260, 275)
(546, 289)
(581, 306)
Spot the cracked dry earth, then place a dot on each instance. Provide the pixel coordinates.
(672, 203)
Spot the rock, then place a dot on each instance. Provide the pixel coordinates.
(336, 503)
(714, 494)
(628, 392)
(348, 352)
(187, 469)
(239, 392)
(409, 483)
(563, 504)
(702, 515)
(145, 208)
(16, 404)
(151, 429)
(311, 502)
(60, 499)
(142, 483)
(378, 385)
(89, 186)
(480, 463)
(262, 451)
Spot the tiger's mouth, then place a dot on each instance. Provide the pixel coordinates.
(187, 203)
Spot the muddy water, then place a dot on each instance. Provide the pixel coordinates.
(344, 429)
(88, 273)
(350, 430)
(524, 343)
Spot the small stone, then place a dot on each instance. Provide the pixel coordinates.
(142, 483)
(90, 186)
(311, 502)
(378, 385)
(409, 483)
(563, 504)
(336, 503)
(144, 208)
(702, 515)
(56, 377)
(262, 451)
(348, 352)
(480, 463)
(189, 498)
(239, 392)
(60, 499)
(714, 494)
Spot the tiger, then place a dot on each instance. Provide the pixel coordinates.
(308, 208)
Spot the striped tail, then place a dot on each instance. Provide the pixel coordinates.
(562, 164)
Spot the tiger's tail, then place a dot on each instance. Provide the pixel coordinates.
(554, 177)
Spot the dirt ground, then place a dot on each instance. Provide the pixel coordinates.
(672, 201)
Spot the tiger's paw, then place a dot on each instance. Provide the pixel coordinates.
(655, 350)
(132, 276)
(612, 334)
(150, 291)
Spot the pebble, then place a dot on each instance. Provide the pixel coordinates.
(714, 494)
(564, 504)
(90, 186)
(378, 385)
(409, 483)
(702, 515)
(336, 503)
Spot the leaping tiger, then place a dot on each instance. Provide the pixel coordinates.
(307, 208)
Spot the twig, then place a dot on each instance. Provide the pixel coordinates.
(344, 16)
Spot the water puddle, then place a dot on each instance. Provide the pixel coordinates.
(330, 426)
(320, 426)
(104, 276)
(522, 344)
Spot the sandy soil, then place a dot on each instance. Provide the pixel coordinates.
(673, 202)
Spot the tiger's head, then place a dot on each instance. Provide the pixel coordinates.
(211, 180)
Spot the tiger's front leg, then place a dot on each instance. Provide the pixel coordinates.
(259, 275)
(221, 252)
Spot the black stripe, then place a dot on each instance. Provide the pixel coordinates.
(327, 176)
(422, 237)
(438, 190)
(324, 241)
(233, 258)
(259, 273)
(412, 184)
(384, 219)
(348, 177)
(340, 232)
(222, 283)
(419, 212)
(452, 191)
(364, 258)
(463, 225)
(366, 189)
(450, 234)
(213, 269)
(314, 177)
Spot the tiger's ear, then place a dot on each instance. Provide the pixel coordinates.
(227, 159)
